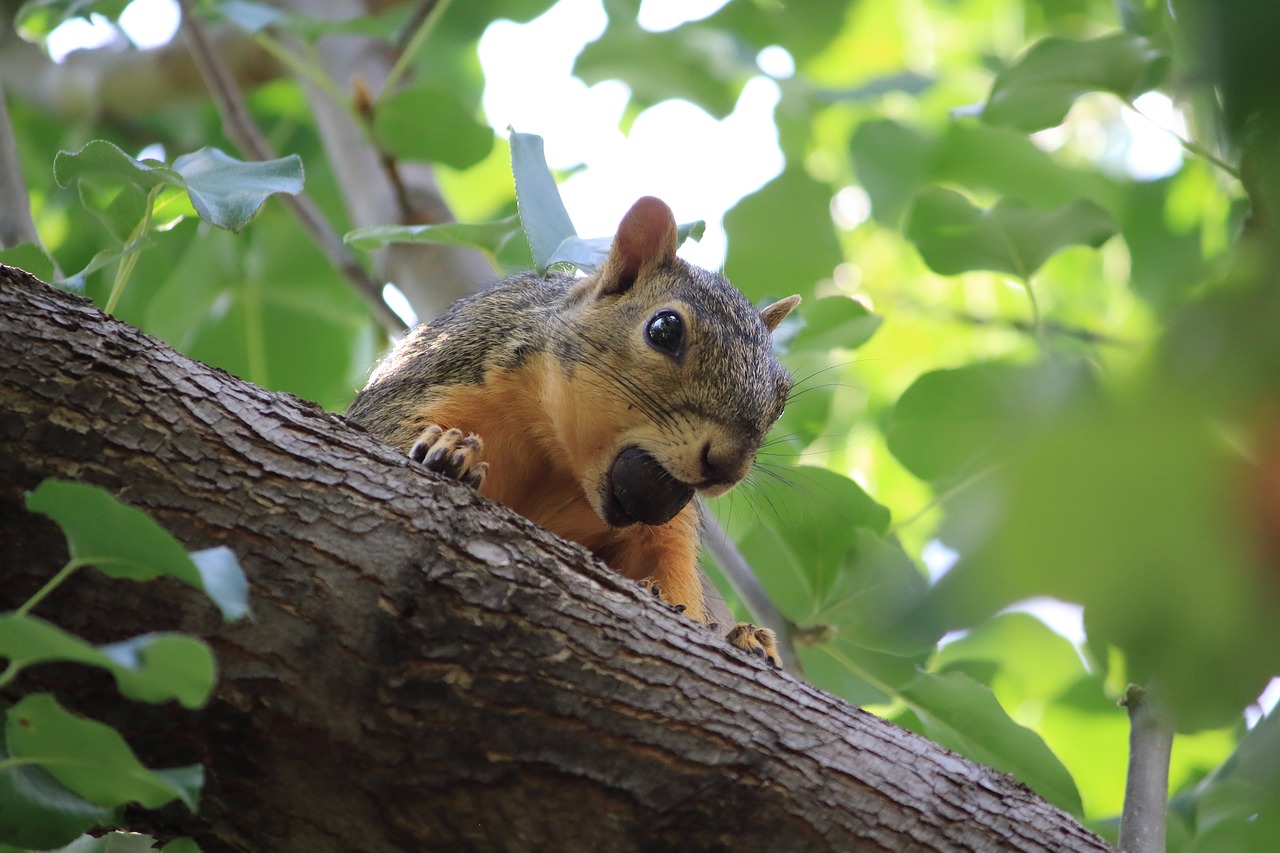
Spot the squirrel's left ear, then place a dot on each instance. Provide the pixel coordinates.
(647, 235)
(774, 314)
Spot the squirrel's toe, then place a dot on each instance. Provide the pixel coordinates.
(760, 642)
(451, 453)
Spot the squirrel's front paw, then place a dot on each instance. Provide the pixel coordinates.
(758, 641)
(449, 452)
(656, 591)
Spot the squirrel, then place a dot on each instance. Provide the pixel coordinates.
(597, 406)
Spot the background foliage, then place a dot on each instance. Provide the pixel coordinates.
(1066, 366)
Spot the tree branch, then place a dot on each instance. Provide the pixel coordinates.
(238, 124)
(424, 669)
(16, 225)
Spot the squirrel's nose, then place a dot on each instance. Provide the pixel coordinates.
(722, 466)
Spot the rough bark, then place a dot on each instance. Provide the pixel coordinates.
(425, 670)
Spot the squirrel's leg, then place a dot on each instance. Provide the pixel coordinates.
(449, 452)
(665, 560)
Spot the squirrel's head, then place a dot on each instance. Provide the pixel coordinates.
(673, 372)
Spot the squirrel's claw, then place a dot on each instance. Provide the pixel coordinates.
(759, 641)
(449, 452)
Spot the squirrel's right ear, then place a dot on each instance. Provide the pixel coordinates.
(775, 313)
(647, 235)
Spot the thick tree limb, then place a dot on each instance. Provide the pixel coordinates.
(425, 670)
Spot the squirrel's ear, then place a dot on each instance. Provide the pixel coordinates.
(774, 314)
(646, 235)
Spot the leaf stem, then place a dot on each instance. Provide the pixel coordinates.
(434, 10)
(129, 259)
(1037, 323)
(938, 500)
(52, 584)
(1189, 146)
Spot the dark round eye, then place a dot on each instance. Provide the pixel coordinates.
(665, 331)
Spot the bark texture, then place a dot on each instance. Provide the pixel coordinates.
(425, 670)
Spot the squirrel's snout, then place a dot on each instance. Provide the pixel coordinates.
(723, 466)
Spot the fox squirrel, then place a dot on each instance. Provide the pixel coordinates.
(600, 405)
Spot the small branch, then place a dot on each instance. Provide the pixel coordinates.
(16, 224)
(423, 23)
(241, 129)
(1142, 824)
(747, 587)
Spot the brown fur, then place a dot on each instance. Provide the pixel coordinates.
(556, 376)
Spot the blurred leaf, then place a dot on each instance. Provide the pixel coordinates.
(427, 123)
(1133, 513)
(835, 322)
(542, 213)
(149, 668)
(250, 17)
(123, 542)
(892, 162)
(954, 236)
(953, 423)
(265, 306)
(963, 715)
(227, 192)
(781, 238)
(39, 813)
(1039, 88)
(37, 18)
(29, 257)
(92, 759)
(704, 65)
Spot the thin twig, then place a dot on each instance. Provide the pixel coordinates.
(747, 587)
(239, 126)
(1146, 791)
(424, 22)
(16, 224)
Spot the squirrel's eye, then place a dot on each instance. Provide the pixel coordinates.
(665, 331)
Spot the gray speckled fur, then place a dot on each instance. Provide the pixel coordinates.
(728, 373)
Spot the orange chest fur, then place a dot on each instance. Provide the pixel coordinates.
(531, 472)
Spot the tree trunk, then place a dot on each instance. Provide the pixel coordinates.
(425, 670)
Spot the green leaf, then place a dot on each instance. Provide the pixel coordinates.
(181, 845)
(227, 192)
(489, 237)
(125, 543)
(782, 233)
(1123, 511)
(150, 668)
(835, 322)
(542, 212)
(37, 812)
(1039, 88)
(37, 18)
(30, 257)
(428, 123)
(92, 759)
(952, 423)
(964, 716)
(804, 534)
(102, 164)
(954, 236)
